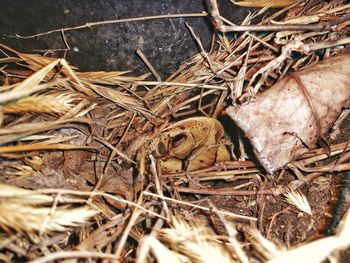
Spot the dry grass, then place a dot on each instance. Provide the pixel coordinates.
(78, 133)
(186, 241)
(30, 212)
(56, 103)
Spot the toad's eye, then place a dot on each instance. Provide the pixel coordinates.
(178, 139)
(162, 149)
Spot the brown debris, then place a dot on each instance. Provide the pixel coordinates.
(289, 118)
(83, 153)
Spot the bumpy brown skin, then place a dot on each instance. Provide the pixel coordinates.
(189, 144)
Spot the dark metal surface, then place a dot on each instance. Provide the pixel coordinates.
(165, 42)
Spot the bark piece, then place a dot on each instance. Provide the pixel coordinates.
(287, 119)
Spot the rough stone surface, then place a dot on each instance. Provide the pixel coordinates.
(165, 42)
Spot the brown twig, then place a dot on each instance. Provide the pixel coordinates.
(108, 22)
(225, 213)
(220, 26)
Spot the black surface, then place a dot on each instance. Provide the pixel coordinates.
(165, 42)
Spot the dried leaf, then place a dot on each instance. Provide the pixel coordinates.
(287, 120)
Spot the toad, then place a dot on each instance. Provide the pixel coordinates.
(189, 144)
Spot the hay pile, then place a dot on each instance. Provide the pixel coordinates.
(72, 186)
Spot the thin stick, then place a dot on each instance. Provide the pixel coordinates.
(134, 216)
(219, 24)
(201, 48)
(189, 85)
(114, 21)
(285, 27)
(222, 191)
(266, 28)
(148, 64)
(113, 153)
(42, 147)
(157, 183)
(119, 152)
(232, 237)
(105, 195)
(226, 213)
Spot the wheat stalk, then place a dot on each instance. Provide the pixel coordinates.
(297, 199)
(55, 103)
(27, 211)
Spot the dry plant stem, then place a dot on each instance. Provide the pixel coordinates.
(278, 13)
(48, 217)
(78, 85)
(263, 42)
(199, 43)
(113, 153)
(148, 64)
(328, 168)
(157, 184)
(179, 84)
(218, 105)
(64, 38)
(97, 193)
(17, 135)
(238, 86)
(114, 21)
(222, 191)
(119, 152)
(219, 25)
(225, 213)
(49, 242)
(214, 174)
(29, 85)
(228, 165)
(232, 232)
(40, 147)
(326, 44)
(343, 116)
(134, 216)
(193, 99)
(273, 28)
(307, 158)
(73, 254)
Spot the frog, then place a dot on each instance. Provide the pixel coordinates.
(190, 144)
